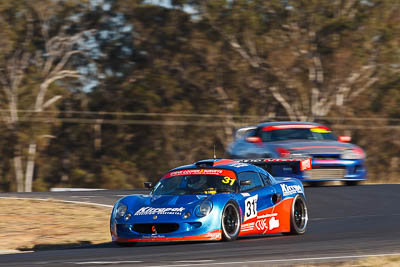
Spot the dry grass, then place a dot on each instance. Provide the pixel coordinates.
(31, 224)
(388, 261)
(379, 261)
(390, 181)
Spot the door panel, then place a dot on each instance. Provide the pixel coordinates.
(256, 205)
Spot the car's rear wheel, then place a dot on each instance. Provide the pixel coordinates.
(230, 222)
(351, 183)
(314, 183)
(298, 216)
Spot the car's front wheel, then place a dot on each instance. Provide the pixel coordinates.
(298, 216)
(230, 222)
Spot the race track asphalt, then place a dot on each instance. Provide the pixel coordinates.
(345, 223)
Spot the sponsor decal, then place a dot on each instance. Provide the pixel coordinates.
(273, 223)
(153, 236)
(245, 194)
(305, 165)
(262, 224)
(247, 227)
(160, 211)
(213, 235)
(250, 207)
(291, 189)
(201, 171)
(197, 171)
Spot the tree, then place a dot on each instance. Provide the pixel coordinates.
(42, 52)
(300, 50)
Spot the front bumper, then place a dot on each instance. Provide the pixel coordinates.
(210, 236)
(165, 228)
(335, 170)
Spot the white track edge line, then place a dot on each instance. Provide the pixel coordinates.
(103, 262)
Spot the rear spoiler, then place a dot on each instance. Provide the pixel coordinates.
(243, 131)
(279, 167)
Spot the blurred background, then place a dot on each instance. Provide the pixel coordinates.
(111, 93)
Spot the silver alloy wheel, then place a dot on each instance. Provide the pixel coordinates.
(298, 216)
(230, 222)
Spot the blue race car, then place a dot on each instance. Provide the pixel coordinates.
(214, 200)
(333, 158)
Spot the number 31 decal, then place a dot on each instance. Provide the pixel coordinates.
(250, 207)
(228, 180)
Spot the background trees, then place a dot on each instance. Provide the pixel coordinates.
(309, 55)
(121, 91)
(38, 53)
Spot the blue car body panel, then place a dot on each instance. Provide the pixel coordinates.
(174, 217)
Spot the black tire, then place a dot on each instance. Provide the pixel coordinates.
(351, 183)
(315, 183)
(298, 216)
(230, 222)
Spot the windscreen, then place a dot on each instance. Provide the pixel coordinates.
(187, 182)
(272, 134)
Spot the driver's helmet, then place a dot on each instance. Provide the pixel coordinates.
(196, 181)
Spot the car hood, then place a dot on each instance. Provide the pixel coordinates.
(173, 200)
(146, 205)
(311, 147)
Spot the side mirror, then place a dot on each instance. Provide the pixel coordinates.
(245, 182)
(253, 139)
(148, 185)
(344, 139)
(276, 198)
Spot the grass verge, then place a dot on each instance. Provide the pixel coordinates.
(387, 261)
(34, 225)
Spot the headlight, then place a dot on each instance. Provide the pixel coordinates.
(121, 210)
(353, 154)
(204, 209)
